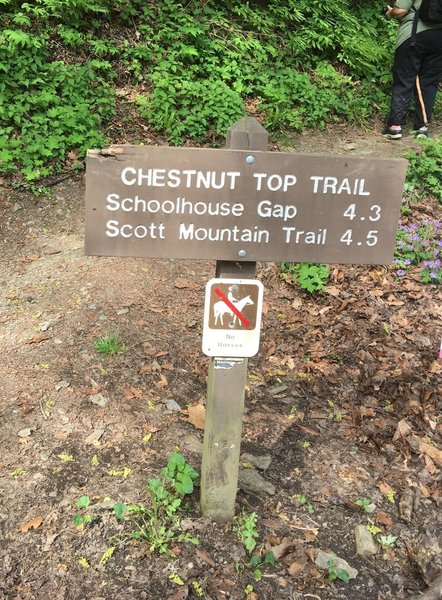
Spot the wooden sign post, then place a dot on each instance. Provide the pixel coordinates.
(227, 380)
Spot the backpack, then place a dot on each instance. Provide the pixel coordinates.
(430, 11)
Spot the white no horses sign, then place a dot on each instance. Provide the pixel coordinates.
(232, 317)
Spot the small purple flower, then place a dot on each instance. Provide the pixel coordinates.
(407, 261)
(415, 237)
(433, 275)
(400, 273)
(410, 247)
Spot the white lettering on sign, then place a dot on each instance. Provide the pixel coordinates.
(114, 229)
(280, 211)
(215, 180)
(296, 236)
(175, 177)
(332, 185)
(275, 182)
(180, 206)
(228, 234)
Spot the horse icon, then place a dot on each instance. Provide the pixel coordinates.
(220, 309)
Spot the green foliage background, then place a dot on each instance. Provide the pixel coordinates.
(196, 68)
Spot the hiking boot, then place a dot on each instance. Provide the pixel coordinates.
(393, 134)
(421, 134)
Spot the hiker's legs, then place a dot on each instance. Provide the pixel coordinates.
(429, 48)
(405, 68)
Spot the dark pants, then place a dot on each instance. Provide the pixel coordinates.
(424, 60)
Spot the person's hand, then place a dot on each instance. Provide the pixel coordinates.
(393, 12)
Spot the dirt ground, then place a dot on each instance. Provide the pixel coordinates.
(343, 397)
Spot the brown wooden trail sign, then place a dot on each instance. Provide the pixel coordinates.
(238, 206)
(163, 202)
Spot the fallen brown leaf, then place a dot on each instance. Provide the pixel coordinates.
(162, 383)
(431, 451)
(385, 488)
(403, 429)
(31, 524)
(205, 557)
(333, 291)
(132, 393)
(136, 392)
(311, 554)
(367, 411)
(385, 518)
(151, 428)
(435, 367)
(297, 567)
(156, 365)
(197, 415)
(429, 465)
(282, 548)
(426, 493)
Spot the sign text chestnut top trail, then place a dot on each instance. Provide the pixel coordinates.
(162, 202)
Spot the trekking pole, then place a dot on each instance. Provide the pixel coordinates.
(421, 101)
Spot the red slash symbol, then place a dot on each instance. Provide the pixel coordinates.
(233, 308)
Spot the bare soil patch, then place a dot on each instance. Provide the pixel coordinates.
(344, 396)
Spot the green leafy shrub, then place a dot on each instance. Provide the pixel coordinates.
(246, 531)
(307, 63)
(309, 277)
(67, 11)
(424, 174)
(200, 110)
(48, 109)
(179, 475)
(297, 100)
(159, 524)
(300, 63)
